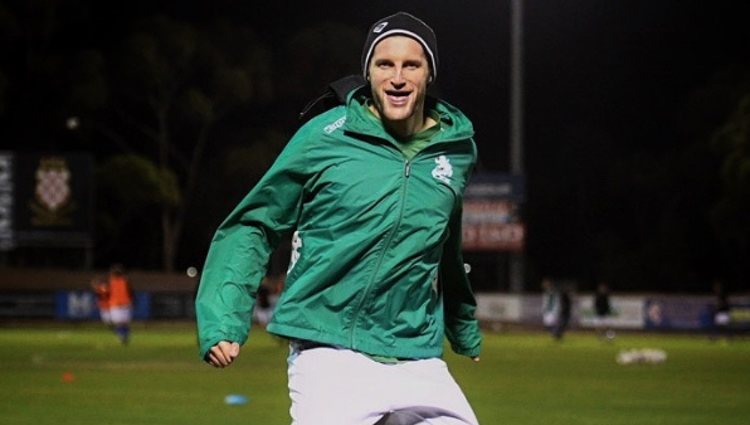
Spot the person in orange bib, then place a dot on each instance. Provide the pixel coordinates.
(120, 302)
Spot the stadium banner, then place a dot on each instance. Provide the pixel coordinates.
(627, 312)
(172, 305)
(491, 213)
(531, 309)
(27, 305)
(739, 316)
(7, 180)
(52, 197)
(81, 305)
(678, 313)
(499, 307)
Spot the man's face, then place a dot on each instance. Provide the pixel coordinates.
(398, 74)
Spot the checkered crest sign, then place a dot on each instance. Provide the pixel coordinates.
(52, 183)
(52, 195)
(46, 199)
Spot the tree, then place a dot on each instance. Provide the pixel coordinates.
(131, 190)
(171, 86)
(731, 214)
(3, 88)
(317, 55)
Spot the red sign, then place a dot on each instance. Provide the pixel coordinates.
(493, 237)
(492, 225)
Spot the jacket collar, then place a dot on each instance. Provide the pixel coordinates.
(454, 124)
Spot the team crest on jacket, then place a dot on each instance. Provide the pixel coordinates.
(443, 171)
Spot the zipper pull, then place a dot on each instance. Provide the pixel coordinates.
(407, 169)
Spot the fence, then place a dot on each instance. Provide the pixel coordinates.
(64, 295)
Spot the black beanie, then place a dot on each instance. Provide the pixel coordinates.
(401, 23)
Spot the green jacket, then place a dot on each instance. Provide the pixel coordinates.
(376, 261)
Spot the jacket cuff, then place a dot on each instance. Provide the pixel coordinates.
(469, 352)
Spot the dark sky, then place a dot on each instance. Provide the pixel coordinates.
(617, 75)
(625, 67)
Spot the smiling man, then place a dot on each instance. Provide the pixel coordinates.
(398, 73)
(372, 193)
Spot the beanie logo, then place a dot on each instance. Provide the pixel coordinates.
(380, 27)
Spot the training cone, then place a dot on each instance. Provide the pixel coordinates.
(235, 399)
(68, 377)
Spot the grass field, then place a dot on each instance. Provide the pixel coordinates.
(80, 375)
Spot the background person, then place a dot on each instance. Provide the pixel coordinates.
(120, 302)
(556, 308)
(721, 317)
(101, 292)
(263, 310)
(550, 304)
(603, 312)
(566, 311)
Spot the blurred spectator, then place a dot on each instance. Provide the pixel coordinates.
(263, 307)
(550, 303)
(722, 319)
(120, 302)
(603, 310)
(565, 312)
(556, 308)
(101, 291)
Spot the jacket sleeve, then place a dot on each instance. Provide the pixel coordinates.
(461, 327)
(239, 252)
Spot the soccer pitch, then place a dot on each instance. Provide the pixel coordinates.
(78, 374)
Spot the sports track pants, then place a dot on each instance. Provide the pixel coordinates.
(335, 386)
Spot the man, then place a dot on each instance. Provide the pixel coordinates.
(120, 302)
(556, 308)
(550, 304)
(603, 310)
(373, 193)
(566, 310)
(101, 290)
(722, 317)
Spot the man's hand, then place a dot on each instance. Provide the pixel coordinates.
(223, 354)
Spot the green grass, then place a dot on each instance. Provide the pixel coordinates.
(523, 378)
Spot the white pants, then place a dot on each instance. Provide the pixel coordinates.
(334, 386)
(120, 315)
(105, 315)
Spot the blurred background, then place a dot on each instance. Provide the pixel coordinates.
(129, 130)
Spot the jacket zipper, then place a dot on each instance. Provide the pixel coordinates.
(360, 305)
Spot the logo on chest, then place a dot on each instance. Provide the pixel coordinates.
(443, 171)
